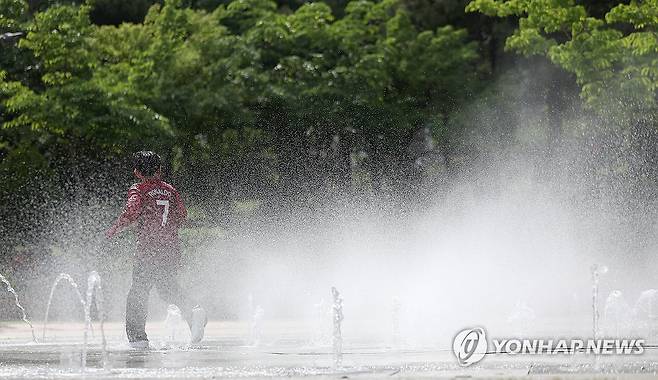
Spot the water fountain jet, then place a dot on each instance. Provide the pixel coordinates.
(615, 314)
(255, 328)
(94, 288)
(11, 290)
(644, 314)
(597, 271)
(74, 285)
(338, 317)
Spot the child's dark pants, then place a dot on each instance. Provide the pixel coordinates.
(149, 272)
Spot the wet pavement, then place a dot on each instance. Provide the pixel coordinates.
(226, 354)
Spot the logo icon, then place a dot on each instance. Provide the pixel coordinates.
(470, 346)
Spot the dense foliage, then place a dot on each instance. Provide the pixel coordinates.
(614, 58)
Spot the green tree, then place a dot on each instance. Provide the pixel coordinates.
(70, 100)
(371, 78)
(614, 58)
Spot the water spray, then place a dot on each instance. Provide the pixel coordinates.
(256, 325)
(74, 285)
(337, 309)
(644, 313)
(615, 314)
(597, 271)
(94, 287)
(11, 290)
(256, 313)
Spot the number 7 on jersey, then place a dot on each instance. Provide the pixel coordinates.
(165, 214)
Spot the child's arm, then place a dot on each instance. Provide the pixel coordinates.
(130, 212)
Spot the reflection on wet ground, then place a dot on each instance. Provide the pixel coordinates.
(225, 354)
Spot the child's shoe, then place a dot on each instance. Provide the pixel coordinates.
(198, 324)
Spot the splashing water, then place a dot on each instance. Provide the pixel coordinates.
(256, 325)
(11, 290)
(256, 313)
(644, 313)
(94, 288)
(597, 271)
(74, 285)
(616, 314)
(338, 317)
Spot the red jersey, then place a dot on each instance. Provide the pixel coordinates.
(157, 208)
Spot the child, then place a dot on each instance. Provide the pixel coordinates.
(159, 212)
